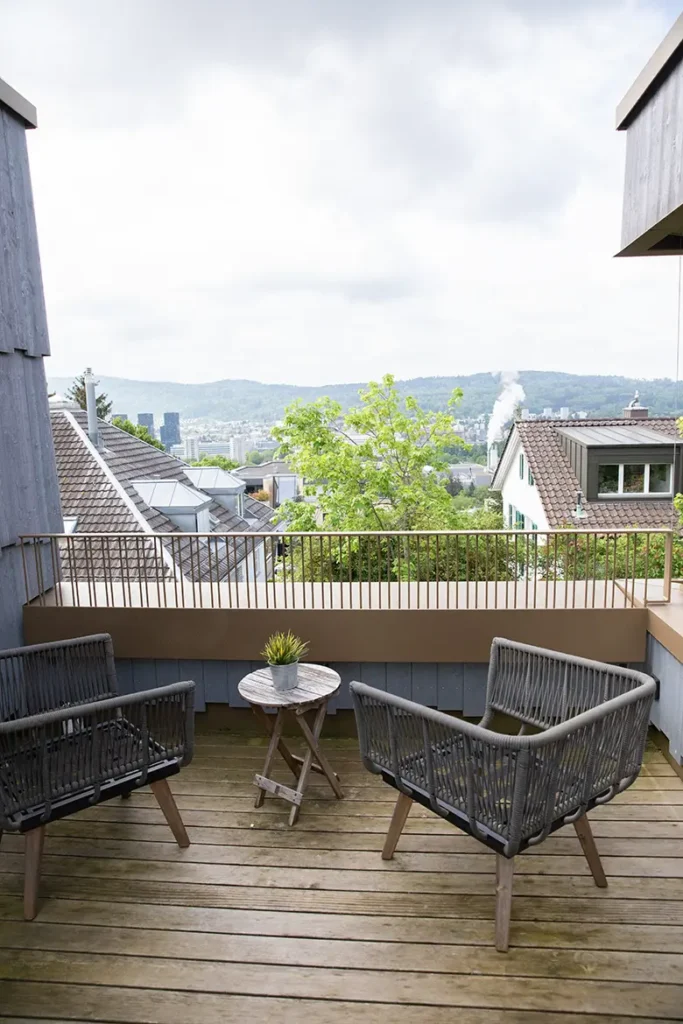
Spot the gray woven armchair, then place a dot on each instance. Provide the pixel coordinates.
(583, 731)
(68, 741)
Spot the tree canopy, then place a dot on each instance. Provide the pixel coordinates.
(220, 461)
(376, 467)
(77, 394)
(137, 430)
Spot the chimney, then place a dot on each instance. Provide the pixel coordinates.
(634, 410)
(91, 407)
(492, 456)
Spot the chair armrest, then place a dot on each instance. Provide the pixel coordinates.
(46, 757)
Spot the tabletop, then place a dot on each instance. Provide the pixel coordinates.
(314, 683)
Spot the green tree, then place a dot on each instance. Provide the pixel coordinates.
(142, 433)
(256, 458)
(389, 479)
(220, 461)
(454, 486)
(77, 394)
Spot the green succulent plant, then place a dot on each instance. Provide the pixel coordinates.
(284, 649)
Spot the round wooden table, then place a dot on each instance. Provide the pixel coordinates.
(315, 685)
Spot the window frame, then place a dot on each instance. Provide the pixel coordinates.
(521, 465)
(646, 492)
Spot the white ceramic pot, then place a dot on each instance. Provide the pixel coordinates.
(284, 676)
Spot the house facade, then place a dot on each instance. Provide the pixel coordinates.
(591, 474)
(29, 494)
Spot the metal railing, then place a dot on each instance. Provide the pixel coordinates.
(376, 571)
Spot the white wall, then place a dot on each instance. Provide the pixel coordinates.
(522, 495)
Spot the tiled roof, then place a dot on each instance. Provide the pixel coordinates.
(103, 506)
(557, 483)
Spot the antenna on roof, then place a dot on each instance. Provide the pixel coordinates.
(579, 512)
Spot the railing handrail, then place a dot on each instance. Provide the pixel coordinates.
(163, 535)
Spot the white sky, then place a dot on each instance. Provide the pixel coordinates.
(313, 191)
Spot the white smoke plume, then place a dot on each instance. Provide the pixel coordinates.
(510, 396)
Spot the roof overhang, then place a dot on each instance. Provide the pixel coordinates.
(17, 105)
(660, 65)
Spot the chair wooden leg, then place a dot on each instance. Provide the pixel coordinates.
(590, 851)
(505, 869)
(35, 840)
(164, 798)
(398, 820)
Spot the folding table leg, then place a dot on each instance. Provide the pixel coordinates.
(290, 760)
(270, 756)
(314, 752)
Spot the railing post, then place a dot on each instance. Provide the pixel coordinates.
(668, 564)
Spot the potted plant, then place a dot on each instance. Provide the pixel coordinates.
(283, 652)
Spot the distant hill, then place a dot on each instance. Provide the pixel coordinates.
(247, 399)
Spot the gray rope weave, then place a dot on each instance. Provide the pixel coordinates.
(67, 739)
(584, 729)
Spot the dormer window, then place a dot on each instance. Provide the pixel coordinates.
(625, 479)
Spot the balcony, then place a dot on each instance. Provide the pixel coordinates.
(258, 921)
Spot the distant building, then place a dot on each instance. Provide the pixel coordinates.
(203, 448)
(471, 473)
(146, 419)
(171, 428)
(277, 478)
(119, 416)
(216, 448)
(240, 445)
(564, 412)
(190, 447)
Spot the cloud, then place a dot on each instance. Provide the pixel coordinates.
(329, 189)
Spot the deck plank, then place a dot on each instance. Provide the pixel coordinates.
(83, 1003)
(276, 923)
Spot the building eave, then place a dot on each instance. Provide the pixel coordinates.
(504, 461)
(18, 105)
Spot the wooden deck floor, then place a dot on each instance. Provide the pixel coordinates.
(260, 922)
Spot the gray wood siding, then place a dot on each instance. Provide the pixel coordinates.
(667, 712)
(23, 323)
(452, 687)
(29, 491)
(653, 186)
